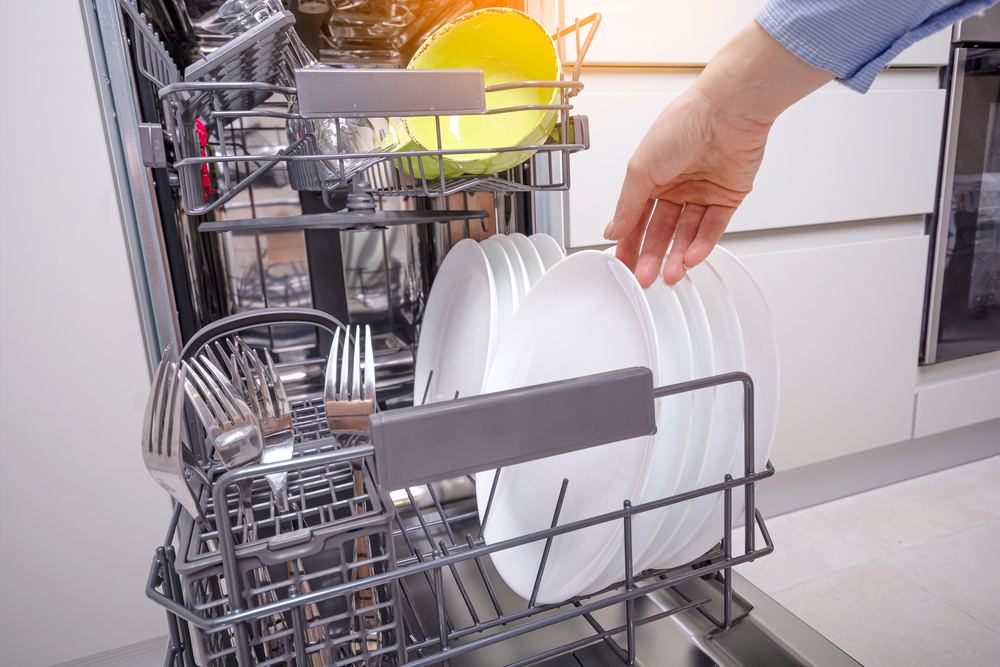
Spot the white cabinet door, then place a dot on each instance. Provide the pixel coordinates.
(834, 156)
(848, 324)
(689, 32)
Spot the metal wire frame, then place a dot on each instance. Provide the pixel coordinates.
(438, 638)
(219, 102)
(152, 58)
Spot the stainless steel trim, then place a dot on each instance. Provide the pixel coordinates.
(984, 27)
(143, 239)
(959, 58)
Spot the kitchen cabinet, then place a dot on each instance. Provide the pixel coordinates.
(834, 156)
(848, 319)
(689, 32)
(957, 393)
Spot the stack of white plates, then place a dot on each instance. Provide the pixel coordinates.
(513, 311)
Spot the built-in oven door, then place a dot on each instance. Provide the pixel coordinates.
(963, 308)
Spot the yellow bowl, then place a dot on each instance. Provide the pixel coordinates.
(430, 165)
(508, 46)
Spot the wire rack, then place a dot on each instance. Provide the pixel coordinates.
(284, 588)
(258, 65)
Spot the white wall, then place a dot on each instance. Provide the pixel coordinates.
(686, 32)
(79, 515)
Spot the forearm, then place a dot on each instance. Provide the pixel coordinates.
(756, 78)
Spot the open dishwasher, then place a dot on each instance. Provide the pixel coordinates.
(381, 559)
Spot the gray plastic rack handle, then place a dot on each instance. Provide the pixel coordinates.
(389, 92)
(423, 444)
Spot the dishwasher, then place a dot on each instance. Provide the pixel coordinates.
(240, 219)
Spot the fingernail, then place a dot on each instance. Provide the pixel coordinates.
(609, 229)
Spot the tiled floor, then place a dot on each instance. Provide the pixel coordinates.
(906, 575)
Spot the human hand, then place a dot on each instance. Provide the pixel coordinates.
(684, 182)
(698, 161)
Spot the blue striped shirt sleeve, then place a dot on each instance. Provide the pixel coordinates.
(856, 39)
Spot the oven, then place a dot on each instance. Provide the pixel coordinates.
(962, 316)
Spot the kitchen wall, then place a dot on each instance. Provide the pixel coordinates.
(79, 515)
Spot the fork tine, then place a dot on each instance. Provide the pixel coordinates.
(259, 379)
(247, 384)
(161, 426)
(176, 415)
(229, 367)
(195, 372)
(147, 418)
(201, 399)
(225, 390)
(330, 382)
(344, 367)
(209, 353)
(356, 369)
(369, 366)
(156, 429)
(168, 412)
(281, 399)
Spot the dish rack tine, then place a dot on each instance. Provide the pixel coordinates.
(548, 543)
(430, 582)
(486, 579)
(489, 502)
(460, 584)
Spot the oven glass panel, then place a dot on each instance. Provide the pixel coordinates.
(970, 295)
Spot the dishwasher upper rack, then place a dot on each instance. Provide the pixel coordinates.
(435, 548)
(268, 56)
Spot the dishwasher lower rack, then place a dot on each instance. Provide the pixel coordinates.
(365, 579)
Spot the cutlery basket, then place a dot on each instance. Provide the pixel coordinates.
(228, 563)
(232, 568)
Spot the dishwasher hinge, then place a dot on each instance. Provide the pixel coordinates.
(151, 147)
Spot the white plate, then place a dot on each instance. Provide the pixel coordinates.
(529, 255)
(458, 338)
(763, 364)
(673, 428)
(503, 276)
(586, 315)
(695, 537)
(703, 357)
(548, 249)
(520, 273)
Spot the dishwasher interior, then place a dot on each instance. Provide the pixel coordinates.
(239, 218)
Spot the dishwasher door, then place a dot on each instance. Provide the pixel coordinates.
(763, 632)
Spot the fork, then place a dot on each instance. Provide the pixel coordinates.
(264, 391)
(316, 635)
(348, 411)
(231, 428)
(163, 439)
(234, 433)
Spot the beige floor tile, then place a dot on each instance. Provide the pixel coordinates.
(931, 635)
(979, 600)
(830, 603)
(897, 517)
(948, 563)
(802, 550)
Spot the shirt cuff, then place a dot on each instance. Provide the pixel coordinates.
(860, 78)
